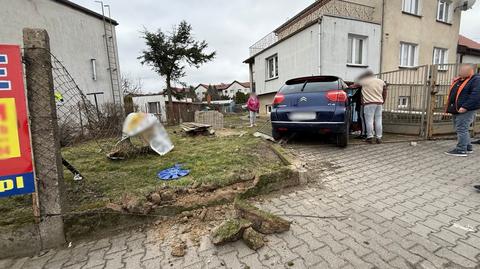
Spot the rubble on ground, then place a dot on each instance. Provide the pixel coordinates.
(178, 248)
(230, 230)
(263, 222)
(250, 224)
(253, 239)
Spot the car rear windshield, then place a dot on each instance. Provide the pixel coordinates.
(310, 87)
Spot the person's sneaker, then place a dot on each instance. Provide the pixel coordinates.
(469, 151)
(379, 141)
(360, 137)
(369, 140)
(457, 153)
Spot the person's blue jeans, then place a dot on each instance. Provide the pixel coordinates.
(373, 120)
(462, 123)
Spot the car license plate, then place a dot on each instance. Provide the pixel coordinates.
(302, 116)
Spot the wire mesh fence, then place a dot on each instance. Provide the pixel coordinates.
(86, 131)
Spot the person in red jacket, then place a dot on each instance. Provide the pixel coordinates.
(253, 105)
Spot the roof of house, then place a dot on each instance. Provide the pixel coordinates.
(218, 87)
(86, 11)
(467, 42)
(243, 84)
(302, 13)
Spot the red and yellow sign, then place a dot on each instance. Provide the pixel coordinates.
(16, 168)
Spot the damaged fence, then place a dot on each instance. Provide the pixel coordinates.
(68, 126)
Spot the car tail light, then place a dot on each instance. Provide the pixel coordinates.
(337, 96)
(278, 99)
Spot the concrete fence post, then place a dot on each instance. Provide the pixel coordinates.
(433, 91)
(45, 138)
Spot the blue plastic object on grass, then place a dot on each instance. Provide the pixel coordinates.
(173, 173)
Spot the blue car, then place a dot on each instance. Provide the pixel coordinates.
(317, 104)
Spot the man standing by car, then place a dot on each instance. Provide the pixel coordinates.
(373, 98)
(463, 103)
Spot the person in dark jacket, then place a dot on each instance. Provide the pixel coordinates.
(463, 103)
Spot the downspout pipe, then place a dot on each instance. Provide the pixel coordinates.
(382, 36)
(320, 47)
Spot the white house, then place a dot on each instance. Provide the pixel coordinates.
(201, 89)
(234, 87)
(468, 51)
(83, 40)
(332, 45)
(151, 103)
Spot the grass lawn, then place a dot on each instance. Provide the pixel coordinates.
(211, 160)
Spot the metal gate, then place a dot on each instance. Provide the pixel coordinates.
(416, 98)
(406, 102)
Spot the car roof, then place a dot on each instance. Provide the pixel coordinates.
(312, 79)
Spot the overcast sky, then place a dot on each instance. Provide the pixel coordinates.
(230, 28)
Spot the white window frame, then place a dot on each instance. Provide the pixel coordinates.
(158, 108)
(444, 9)
(412, 7)
(440, 58)
(411, 51)
(401, 103)
(352, 51)
(271, 70)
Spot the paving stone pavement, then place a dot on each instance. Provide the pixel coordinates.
(406, 207)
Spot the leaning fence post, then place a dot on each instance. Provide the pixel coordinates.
(433, 73)
(45, 139)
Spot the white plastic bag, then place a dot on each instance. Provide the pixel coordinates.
(150, 129)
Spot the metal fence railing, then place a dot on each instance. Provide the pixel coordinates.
(416, 99)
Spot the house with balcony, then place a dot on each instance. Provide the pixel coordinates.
(344, 38)
(327, 38)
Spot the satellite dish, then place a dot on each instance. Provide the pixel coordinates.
(466, 4)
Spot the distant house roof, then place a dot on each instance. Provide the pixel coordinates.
(467, 42)
(176, 90)
(86, 11)
(218, 87)
(243, 84)
(467, 46)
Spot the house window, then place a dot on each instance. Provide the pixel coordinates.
(154, 107)
(272, 67)
(411, 6)
(440, 56)
(268, 108)
(356, 50)
(408, 54)
(403, 101)
(443, 10)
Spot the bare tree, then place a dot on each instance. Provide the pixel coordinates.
(130, 85)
